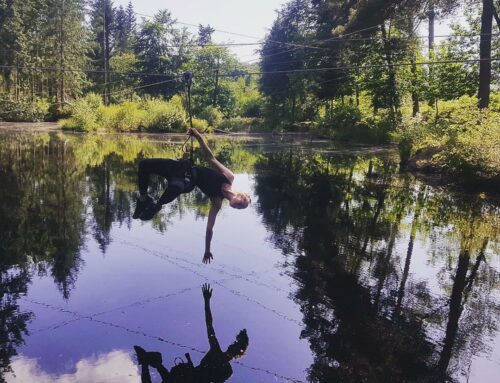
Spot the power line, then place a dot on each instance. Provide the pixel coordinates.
(130, 90)
(358, 67)
(56, 69)
(174, 76)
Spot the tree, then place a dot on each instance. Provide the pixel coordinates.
(483, 94)
(124, 32)
(208, 86)
(43, 33)
(102, 26)
(205, 34)
(284, 50)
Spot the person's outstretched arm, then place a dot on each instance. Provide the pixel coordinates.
(209, 156)
(212, 339)
(216, 204)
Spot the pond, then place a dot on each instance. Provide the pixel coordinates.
(342, 268)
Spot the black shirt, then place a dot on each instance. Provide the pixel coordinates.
(210, 181)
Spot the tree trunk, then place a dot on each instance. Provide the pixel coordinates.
(61, 53)
(485, 54)
(459, 283)
(214, 102)
(414, 93)
(390, 69)
(105, 52)
(432, 16)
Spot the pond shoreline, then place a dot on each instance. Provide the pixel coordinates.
(434, 177)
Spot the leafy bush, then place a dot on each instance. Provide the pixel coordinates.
(468, 139)
(89, 114)
(212, 115)
(200, 125)
(242, 124)
(83, 114)
(165, 116)
(23, 110)
(252, 105)
(345, 122)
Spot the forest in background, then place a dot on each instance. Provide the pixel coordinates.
(351, 70)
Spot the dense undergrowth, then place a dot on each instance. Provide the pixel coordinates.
(150, 115)
(456, 138)
(25, 110)
(89, 114)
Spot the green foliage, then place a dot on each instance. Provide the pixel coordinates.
(123, 117)
(249, 100)
(467, 139)
(209, 90)
(200, 124)
(83, 114)
(24, 110)
(89, 114)
(164, 116)
(212, 115)
(243, 124)
(345, 122)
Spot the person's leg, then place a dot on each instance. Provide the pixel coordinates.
(146, 209)
(174, 189)
(145, 376)
(142, 359)
(160, 166)
(165, 375)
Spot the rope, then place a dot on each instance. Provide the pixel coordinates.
(188, 79)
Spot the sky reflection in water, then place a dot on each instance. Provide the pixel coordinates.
(341, 269)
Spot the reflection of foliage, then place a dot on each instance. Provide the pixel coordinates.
(49, 212)
(13, 283)
(13, 279)
(366, 317)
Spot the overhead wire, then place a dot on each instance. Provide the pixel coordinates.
(209, 74)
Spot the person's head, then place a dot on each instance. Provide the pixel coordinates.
(239, 200)
(239, 346)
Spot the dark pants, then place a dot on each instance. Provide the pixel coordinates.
(174, 171)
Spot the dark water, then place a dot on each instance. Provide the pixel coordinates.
(341, 270)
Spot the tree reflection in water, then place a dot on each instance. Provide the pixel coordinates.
(366, 319)
(348, 227)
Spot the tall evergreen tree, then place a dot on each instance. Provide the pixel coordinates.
(154, 53)
(124, 30)
(102, 26)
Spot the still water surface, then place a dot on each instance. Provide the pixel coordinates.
(342, 269)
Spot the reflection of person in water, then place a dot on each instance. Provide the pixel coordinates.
(214, 366)
(182, 177)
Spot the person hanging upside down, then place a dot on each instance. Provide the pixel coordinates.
(182, 177)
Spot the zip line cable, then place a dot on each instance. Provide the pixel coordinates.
(358, 67)
(56, 69)
(475, 35)
(305, 70)
(298, 45)
(129, 90)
